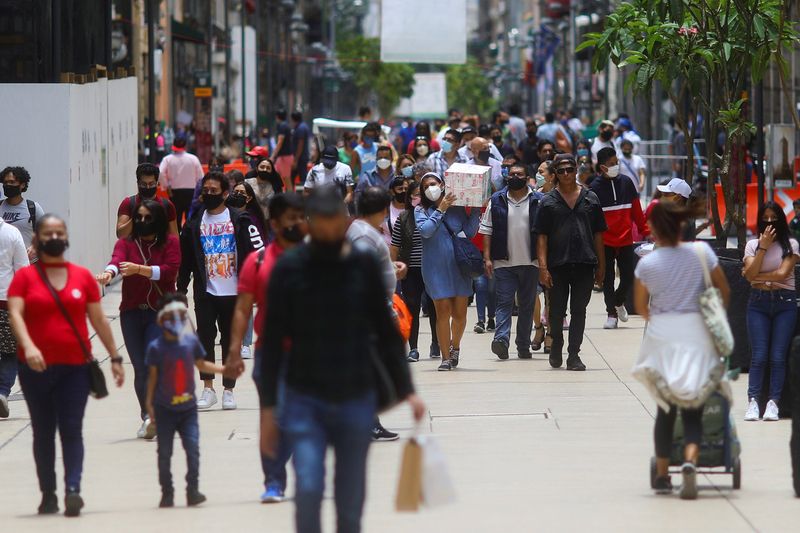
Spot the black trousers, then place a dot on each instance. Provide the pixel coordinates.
(572, 282)
(623, 256)
(665, 424)
(412, 290)
(214, 312)
(182, 200)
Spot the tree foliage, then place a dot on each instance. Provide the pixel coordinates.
(389, 82)
(469, 88)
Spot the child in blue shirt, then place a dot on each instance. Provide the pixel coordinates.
(171, 402)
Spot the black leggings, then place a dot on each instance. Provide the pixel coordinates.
(665, 423)
(412, 288)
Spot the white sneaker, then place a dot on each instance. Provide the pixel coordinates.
(611, 323)
(752, 411)
(771, 412)
(142, 429)
(246, 353)
(207, 399)
(228, 401)
(622, 313)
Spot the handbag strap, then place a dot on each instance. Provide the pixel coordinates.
(698, 249)
(87, 354)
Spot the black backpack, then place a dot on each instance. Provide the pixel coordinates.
(31, 211)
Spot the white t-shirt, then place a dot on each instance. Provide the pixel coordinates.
(362, 235)
(13, 256)
(630, 167)
(319, 175)
(598, 145)
(19, 216)
(519, 233)
(218, 238)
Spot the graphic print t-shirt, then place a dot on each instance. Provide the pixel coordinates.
(175, 362)
(219, 247)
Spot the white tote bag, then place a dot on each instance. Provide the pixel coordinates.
(713, 310)
(437, 485)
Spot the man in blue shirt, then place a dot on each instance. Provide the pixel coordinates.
(300, 139)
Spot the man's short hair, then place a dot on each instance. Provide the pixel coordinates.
(280, 114)
(282, 202)
(605, 154)
(297, 116)
(372, 200)
(454, 132)
(383, 148)
(20, 173)
(543, 143)
(224, 183)
(147, 169)
(626, 141)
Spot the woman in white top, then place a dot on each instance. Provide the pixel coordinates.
(678, 361)
(772, 309)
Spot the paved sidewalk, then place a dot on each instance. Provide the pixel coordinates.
(529, 448)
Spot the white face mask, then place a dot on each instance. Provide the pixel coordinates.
(613, 172)
(433, 193)
(422, 149)
(384, 163)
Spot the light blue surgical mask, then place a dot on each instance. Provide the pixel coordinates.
(407, 172)
(583, 152)
(446, 145)
(540, 180)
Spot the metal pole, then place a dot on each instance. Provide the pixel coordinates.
(214, 130)
(227, 72)
(759, 112)
(573, 66)
(244, 85)
(332, 23)
(152, 15)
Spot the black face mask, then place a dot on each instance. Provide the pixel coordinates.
(12, 191)
(606, 135)
(497, 140)
(54, 247)
(144, 228)
(329, 164)
(146, 192)
(212, 201)
(483, 155)
(264, 175)
(516, 183)
(400, 197)
(292, 234)
(236, 200)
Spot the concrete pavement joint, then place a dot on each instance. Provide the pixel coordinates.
(15, 435)
(549, 414)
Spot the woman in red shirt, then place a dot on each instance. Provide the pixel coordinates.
(53, 373)
(148, 261)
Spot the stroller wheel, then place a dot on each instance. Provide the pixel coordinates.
(652, 472)
(737, 474)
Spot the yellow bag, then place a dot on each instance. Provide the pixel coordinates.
(409, 488)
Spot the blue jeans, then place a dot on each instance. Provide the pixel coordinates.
(312, 425)
(56, 399)
(523, 281)
(485, 297)
(168, 422)
(771, 317)
(139, 329)
(274, 468)
(8, 372)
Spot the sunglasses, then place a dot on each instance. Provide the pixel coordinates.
(565, 170)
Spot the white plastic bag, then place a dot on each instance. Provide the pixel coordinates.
(644, 249)
(437, 485)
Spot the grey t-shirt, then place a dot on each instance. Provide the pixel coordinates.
(674, 277)
(19, 216)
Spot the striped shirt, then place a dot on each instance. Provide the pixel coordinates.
(438, 164)
(416, 240)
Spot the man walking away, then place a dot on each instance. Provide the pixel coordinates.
(180, 172)
(509, 251)
(283, 154)
(17, 211)
(570, 228)
(621, 209)
(300, 139)
(327, 304)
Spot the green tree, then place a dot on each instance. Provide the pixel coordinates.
(469, 88)
(390, 82)
(704, 53)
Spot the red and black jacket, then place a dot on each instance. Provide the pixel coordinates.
(621, 208)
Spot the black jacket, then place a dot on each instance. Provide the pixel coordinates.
(193, 261)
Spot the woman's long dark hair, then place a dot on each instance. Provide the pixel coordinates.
(252, 206)
(667, 219)
(274, 178)
(780, 225)
(159, 215)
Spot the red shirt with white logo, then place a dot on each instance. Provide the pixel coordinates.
(48, 328)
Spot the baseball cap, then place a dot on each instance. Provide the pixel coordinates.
(607, 123)
(677, 186)
(330, 154)
(258, 151)
(468, 129)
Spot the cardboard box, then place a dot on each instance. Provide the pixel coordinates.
(471, 184)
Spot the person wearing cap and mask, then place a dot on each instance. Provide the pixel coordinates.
(254, 156)
(626, 132)
(288, 224)
(266, 184)
(479, 147)
(331, 171)
(383, 174)
(214, 245)
(604, 139)
(678, 191)
(327, 303)
(570, 250)
(438, 220)
(622, 210)
(509, 252)
(440, 161)
(179, 173)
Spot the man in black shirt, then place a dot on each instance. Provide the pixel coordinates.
(570, 225)
(328, 333)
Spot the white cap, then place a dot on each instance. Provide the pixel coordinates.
(677, 186)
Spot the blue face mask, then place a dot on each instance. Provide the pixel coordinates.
(583, 152)
(504, 172)
(174, 327)
(407, 172)
(446, 145)
(540, 180)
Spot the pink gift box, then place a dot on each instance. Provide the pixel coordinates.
(471, 184)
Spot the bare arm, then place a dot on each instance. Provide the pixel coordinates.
(600, 251)
(641, 299)
(124, 226)
(278, 145)
(487, 256)
(101, 326)
(752, 265)
(241, 318)
(541, 254)
(784, 271)
(209, 368)
(394, 252)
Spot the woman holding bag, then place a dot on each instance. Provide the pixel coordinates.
(679, 370)
(438, 220)
(54, 349)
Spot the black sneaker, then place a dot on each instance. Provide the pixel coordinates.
(167, 499)
(49, 503)
(454, 357)
(194, 497)
(413, 356)
(73, 503)
(435, 352)
(574, 363)
(663, 485)
(500, 349)
(524, 353)
(556, 360)
(445, 366)
(490, 325)
(479, 327)
(380, 433)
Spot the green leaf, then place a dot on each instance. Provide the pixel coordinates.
(758, 24)
(727, 48)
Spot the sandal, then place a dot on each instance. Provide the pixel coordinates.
(538, 338)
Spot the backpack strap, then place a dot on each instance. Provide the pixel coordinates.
(32, 212)
(132, 203)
